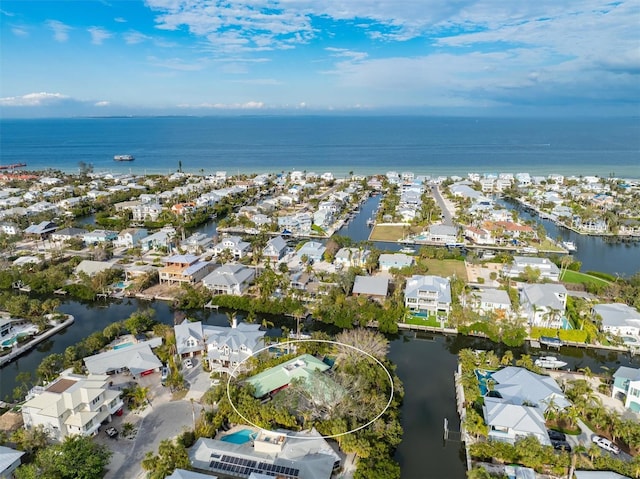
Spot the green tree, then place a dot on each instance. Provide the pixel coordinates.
(140, 321)
(170, 457)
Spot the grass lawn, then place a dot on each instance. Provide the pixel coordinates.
(392, 232)
(581, 278)
(548, 245)
(422, 321)
(446, 268)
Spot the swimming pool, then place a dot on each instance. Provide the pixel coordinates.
(7, 343)
(483, 376)
(122, 345)
(239, 437)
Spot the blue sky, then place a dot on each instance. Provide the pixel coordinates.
(126, 57)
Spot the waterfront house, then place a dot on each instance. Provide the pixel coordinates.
(71, 405)
(618, 318)
(99, 236)
(146, 212)
(136, 358)
(394, 260)
(544, 304)
(489, 300)
(442, 234)
(227, 347)
(189, 338)
(130, 237)
(520, 386)
(234, 245)
(626, 385)
(275, 249)
(10, 459)
(374, 287)
(91, 268)
(548, 269)
(479, 235)
(233, 279)
(184, 268)
(162, 239)
(347, 257)
(509, 422)
(196, 243)
(280, 453)
(428, 295)
(312, 250)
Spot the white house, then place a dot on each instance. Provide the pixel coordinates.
(626, 384)
(190, 339)
(234, 245)
(312, 250)
(99, 236)
(521, 386)
(442, 234)
(130, 237)
(428, 294)
(509, 422)
(544, 304)
(72, 404)
(394, 260)
(347, 257)
(275, 249)
(231, 279)
(618, 319)
(548, 269)
(196, 243)
(490, 300)
(136, 358)
(159, 239)
(229, 346)
(146, 212)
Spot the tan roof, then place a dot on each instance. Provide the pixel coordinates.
(61, 385)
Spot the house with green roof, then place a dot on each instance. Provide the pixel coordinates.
(279, 377)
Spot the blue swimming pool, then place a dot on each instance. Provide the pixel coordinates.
(239, 437)
(483, 376)
(123, 345)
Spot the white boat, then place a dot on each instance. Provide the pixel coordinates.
(569, 246)
(407, 250)
(123, 158)
(549, 362)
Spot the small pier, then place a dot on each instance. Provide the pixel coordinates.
(210, 305)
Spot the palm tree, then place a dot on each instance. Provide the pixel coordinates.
(231, 317)
(266, 324)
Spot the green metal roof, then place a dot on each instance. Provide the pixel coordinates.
(281, 375)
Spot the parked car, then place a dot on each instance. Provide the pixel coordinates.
(188, 363)
(556, 435)
(164, 374)
(561, 445)
(605, 444)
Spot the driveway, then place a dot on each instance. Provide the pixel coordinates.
(158, 422)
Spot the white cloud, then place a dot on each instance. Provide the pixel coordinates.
(132, 37)
(175, 64)
(60, 30)
(20, 31)
(102, 103)
(33, 99)
(120, 20)
(99, 35)
(6, 13)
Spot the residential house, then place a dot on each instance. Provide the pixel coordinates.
(312, 250)
(442, 234)
(190, 340)
(618, 318)
(547, 268)
(91, 268)
(42, 230)
(9, 229)
(233, 279)
(479, 235)
(626, 384)
(394, 260)
(274, 379)
(234, 245)
(196, 243)
(275, 249)
(299, 224)
(229, 347)
(162, 239)
(490, 300)
(428, 295)
(280, 453)
(146, 212)
(509, 422)
(544, 304)
(520, 386)
(375, 287)
(138, 359)
(184, 268)
(99, 236)
(66, 234)
(10, 459)
(71, 405)
(347, 257)
(130, 237)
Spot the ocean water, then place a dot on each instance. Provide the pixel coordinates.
(363, 145)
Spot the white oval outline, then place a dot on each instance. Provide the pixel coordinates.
(266, 348)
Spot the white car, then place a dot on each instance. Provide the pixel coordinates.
(188, 363)
(605, 444)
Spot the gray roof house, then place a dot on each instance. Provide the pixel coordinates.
(137, 358)
(312, 250)
(10, 459)
(490, 300)
(189, 338)
(229, 346)
(42, 229)
(229, 279)
(91, 268)
(372, 286)
(428, 294)
(518, 386)
(544, 304)
(626, 383)
(234, 244)
(508, 422)
(275, 248)
(66, 234)
(352, 257)
(547, 268)
(394, 260)
(618, 319)
(442, 234)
